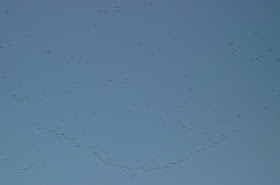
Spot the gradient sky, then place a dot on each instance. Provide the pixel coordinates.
(136, 92)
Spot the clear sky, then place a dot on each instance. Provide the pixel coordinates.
(160, 92)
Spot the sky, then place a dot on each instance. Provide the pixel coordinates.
(135, 92)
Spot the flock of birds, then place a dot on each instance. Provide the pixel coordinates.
(111, 156)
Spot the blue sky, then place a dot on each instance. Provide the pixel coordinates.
(139, 92)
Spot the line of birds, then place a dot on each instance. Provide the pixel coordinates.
(103, 155)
